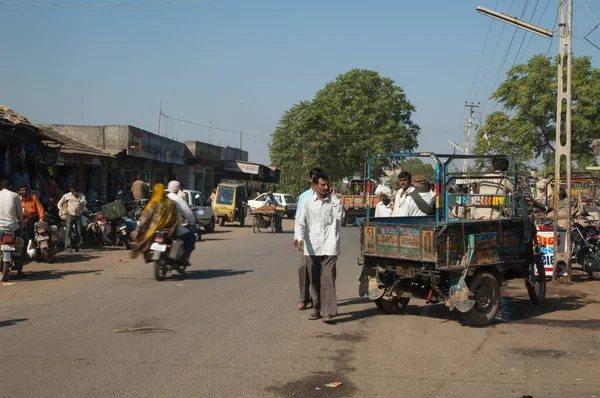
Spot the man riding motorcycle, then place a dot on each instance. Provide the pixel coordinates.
(32, 212)
(11, 215)
(185, 215)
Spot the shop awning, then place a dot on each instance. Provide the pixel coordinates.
(72, 146)
(18, 125)
(242, 167)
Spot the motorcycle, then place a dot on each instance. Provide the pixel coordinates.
(10, 243)
(167, 255)
(584, 250)
(41, 242)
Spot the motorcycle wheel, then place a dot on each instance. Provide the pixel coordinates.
(126, 243)
(537, 290)
(5, 271)
(160, 270)
(588, 264)
(47, 255)
(181, 269)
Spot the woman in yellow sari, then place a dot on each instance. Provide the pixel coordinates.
(159, 215)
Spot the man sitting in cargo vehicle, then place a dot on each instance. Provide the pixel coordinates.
(496, 186)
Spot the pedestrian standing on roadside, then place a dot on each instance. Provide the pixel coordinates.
(303, 277)
(318, 234)
(74, 203)
(139, 189)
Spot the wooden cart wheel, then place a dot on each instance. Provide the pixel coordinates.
(536, 285)
(486, 289)
(256, 224)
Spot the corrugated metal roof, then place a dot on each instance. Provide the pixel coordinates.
(71, 145)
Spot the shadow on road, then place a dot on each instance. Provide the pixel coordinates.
(210, 274)
(352, 301)
(51, 274)
(80, 257)
(216, 231)
(11, 322)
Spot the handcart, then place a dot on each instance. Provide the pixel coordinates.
(267, 217)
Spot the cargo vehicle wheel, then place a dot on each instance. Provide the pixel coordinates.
(393, 306)
(537, 287)
(486, 290)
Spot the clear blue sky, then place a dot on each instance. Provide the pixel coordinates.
(243, 62)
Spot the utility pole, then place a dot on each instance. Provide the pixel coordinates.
(210, 129)
(563, 135)
(159, 113)
(241, 133)
(471, 106)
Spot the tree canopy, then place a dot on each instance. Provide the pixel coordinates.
(527, 129)
(358, 115)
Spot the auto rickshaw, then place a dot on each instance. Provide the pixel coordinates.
(230, 203)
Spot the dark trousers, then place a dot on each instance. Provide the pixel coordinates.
(189, 242)
(73, 220)
(322, 272)
(29, 226)
(304, 281)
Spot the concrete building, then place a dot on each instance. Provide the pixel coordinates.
(135, 151)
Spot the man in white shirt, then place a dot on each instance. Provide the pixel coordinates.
(405, 179)
(385, 206)
(318, 234)
(421, 201)
(185, 214)
(303, 276)
(494, 186)
(11, 211)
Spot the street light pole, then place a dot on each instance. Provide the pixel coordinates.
(563, 104)
(563, 133)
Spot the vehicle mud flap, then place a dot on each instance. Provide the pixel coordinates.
(376, 288)
(459, 297)
(155, 255)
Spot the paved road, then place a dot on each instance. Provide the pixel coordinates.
(237, 333)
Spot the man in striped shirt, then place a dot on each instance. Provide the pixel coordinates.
(318, 234)
(303, 277)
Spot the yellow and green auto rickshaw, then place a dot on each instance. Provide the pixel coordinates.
(229, 204)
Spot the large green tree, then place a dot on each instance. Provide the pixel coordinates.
(358, 115)
(529, 94)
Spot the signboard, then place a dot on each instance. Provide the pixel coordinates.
(136, 142)
(248, 168)
(546, 241)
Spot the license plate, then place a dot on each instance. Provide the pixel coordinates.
(159, 247)
(42, 238)
(7, 248)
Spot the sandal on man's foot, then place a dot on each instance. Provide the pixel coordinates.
(301, 305)
(314, 315)
(328, 319)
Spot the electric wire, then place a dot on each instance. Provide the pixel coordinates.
(487, 36)
(531, 35)
(213, 127)
(160, 3)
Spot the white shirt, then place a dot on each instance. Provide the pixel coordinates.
(410, 208)
(185, 213)
(318, 225)
(11, 211)
(400, 198)
(382, 210)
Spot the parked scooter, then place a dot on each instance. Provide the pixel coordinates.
(167, 254)
(11, 249)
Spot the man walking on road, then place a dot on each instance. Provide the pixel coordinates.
(139, 189)
(74, 203)
(303, 277)
(318, 234)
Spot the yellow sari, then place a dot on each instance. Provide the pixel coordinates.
(160, 214)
